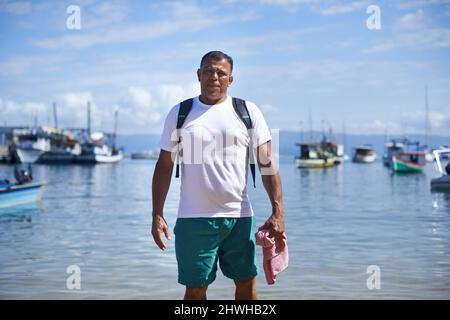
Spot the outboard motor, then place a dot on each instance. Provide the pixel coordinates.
(22, 175)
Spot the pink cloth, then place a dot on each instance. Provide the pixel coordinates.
(275, 256)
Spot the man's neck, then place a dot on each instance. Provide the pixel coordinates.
(212, 102)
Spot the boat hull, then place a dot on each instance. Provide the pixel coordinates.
(364, 159)
(399, 165)
(314, 163)
(441, 183)
(93, 158)
(20, 195)
(29, 156)
(56, 157)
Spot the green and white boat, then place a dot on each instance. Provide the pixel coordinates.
(408, 162)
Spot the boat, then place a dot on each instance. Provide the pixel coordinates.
(392, 148)
(364, 154)
(319, 154)
(98, 147)
(97, 150)
(63, 146)
(408, 161)
(45, 145)
(405, 156)
(19, 193)
(145, 155)
(441, 183)
(30, 145)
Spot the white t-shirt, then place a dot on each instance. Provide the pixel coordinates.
(214, 161)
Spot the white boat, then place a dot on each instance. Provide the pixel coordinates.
(364, 154)
(45, 145)
(96, 150)
(442, 182)
(99, 154)
(31, 151)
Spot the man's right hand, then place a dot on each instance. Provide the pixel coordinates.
(159, 226)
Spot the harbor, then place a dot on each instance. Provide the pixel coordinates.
(353, 96)
(339, 221)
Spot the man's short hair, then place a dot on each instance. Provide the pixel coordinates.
(217, 55)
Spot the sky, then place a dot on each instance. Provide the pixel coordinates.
(307, 64)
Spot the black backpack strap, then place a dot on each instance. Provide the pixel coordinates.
(185, 108)
(241, 109)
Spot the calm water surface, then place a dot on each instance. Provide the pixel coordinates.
(339, 221)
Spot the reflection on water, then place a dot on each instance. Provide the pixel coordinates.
(339, 221)
(23, 213)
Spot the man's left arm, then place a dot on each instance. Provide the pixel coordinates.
(272, 183)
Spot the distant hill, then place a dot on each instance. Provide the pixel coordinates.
(138, 142)
(288, 139)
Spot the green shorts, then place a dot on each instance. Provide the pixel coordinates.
(201, 242)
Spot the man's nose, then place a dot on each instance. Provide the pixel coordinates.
(214, 75)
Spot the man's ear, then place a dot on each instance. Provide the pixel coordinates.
(198, 74)
(230, 81)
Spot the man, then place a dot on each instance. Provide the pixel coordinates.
(215, 219)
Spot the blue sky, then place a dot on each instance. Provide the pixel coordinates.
(292, 58)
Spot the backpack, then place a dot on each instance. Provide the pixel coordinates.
(241, 109)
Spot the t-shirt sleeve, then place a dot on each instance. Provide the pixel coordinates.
(168, 139)
(261, 132)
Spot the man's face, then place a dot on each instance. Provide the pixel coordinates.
(215, 78)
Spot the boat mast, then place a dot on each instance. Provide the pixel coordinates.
(301, 131)
(427, 118)
(55, 115)
(116, 115)
(310, 125)
(89, 119)
(344, 133)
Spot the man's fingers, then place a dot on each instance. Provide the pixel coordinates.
(166, 233)
(158, 240)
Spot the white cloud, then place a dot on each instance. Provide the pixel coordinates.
(138, 98)
(141, 108)
(412, 31)
(72, 109)
(18, 7)
(437, 120)
(138, 107)
(104, 14)
(181, 17)
(172, 94)
(408, 4)
(345, 8)
(412, 20)
(17, 65)
(20, 113)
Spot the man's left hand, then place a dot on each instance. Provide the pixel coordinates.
(275, 225)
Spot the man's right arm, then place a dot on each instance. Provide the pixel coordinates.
(160, 187)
